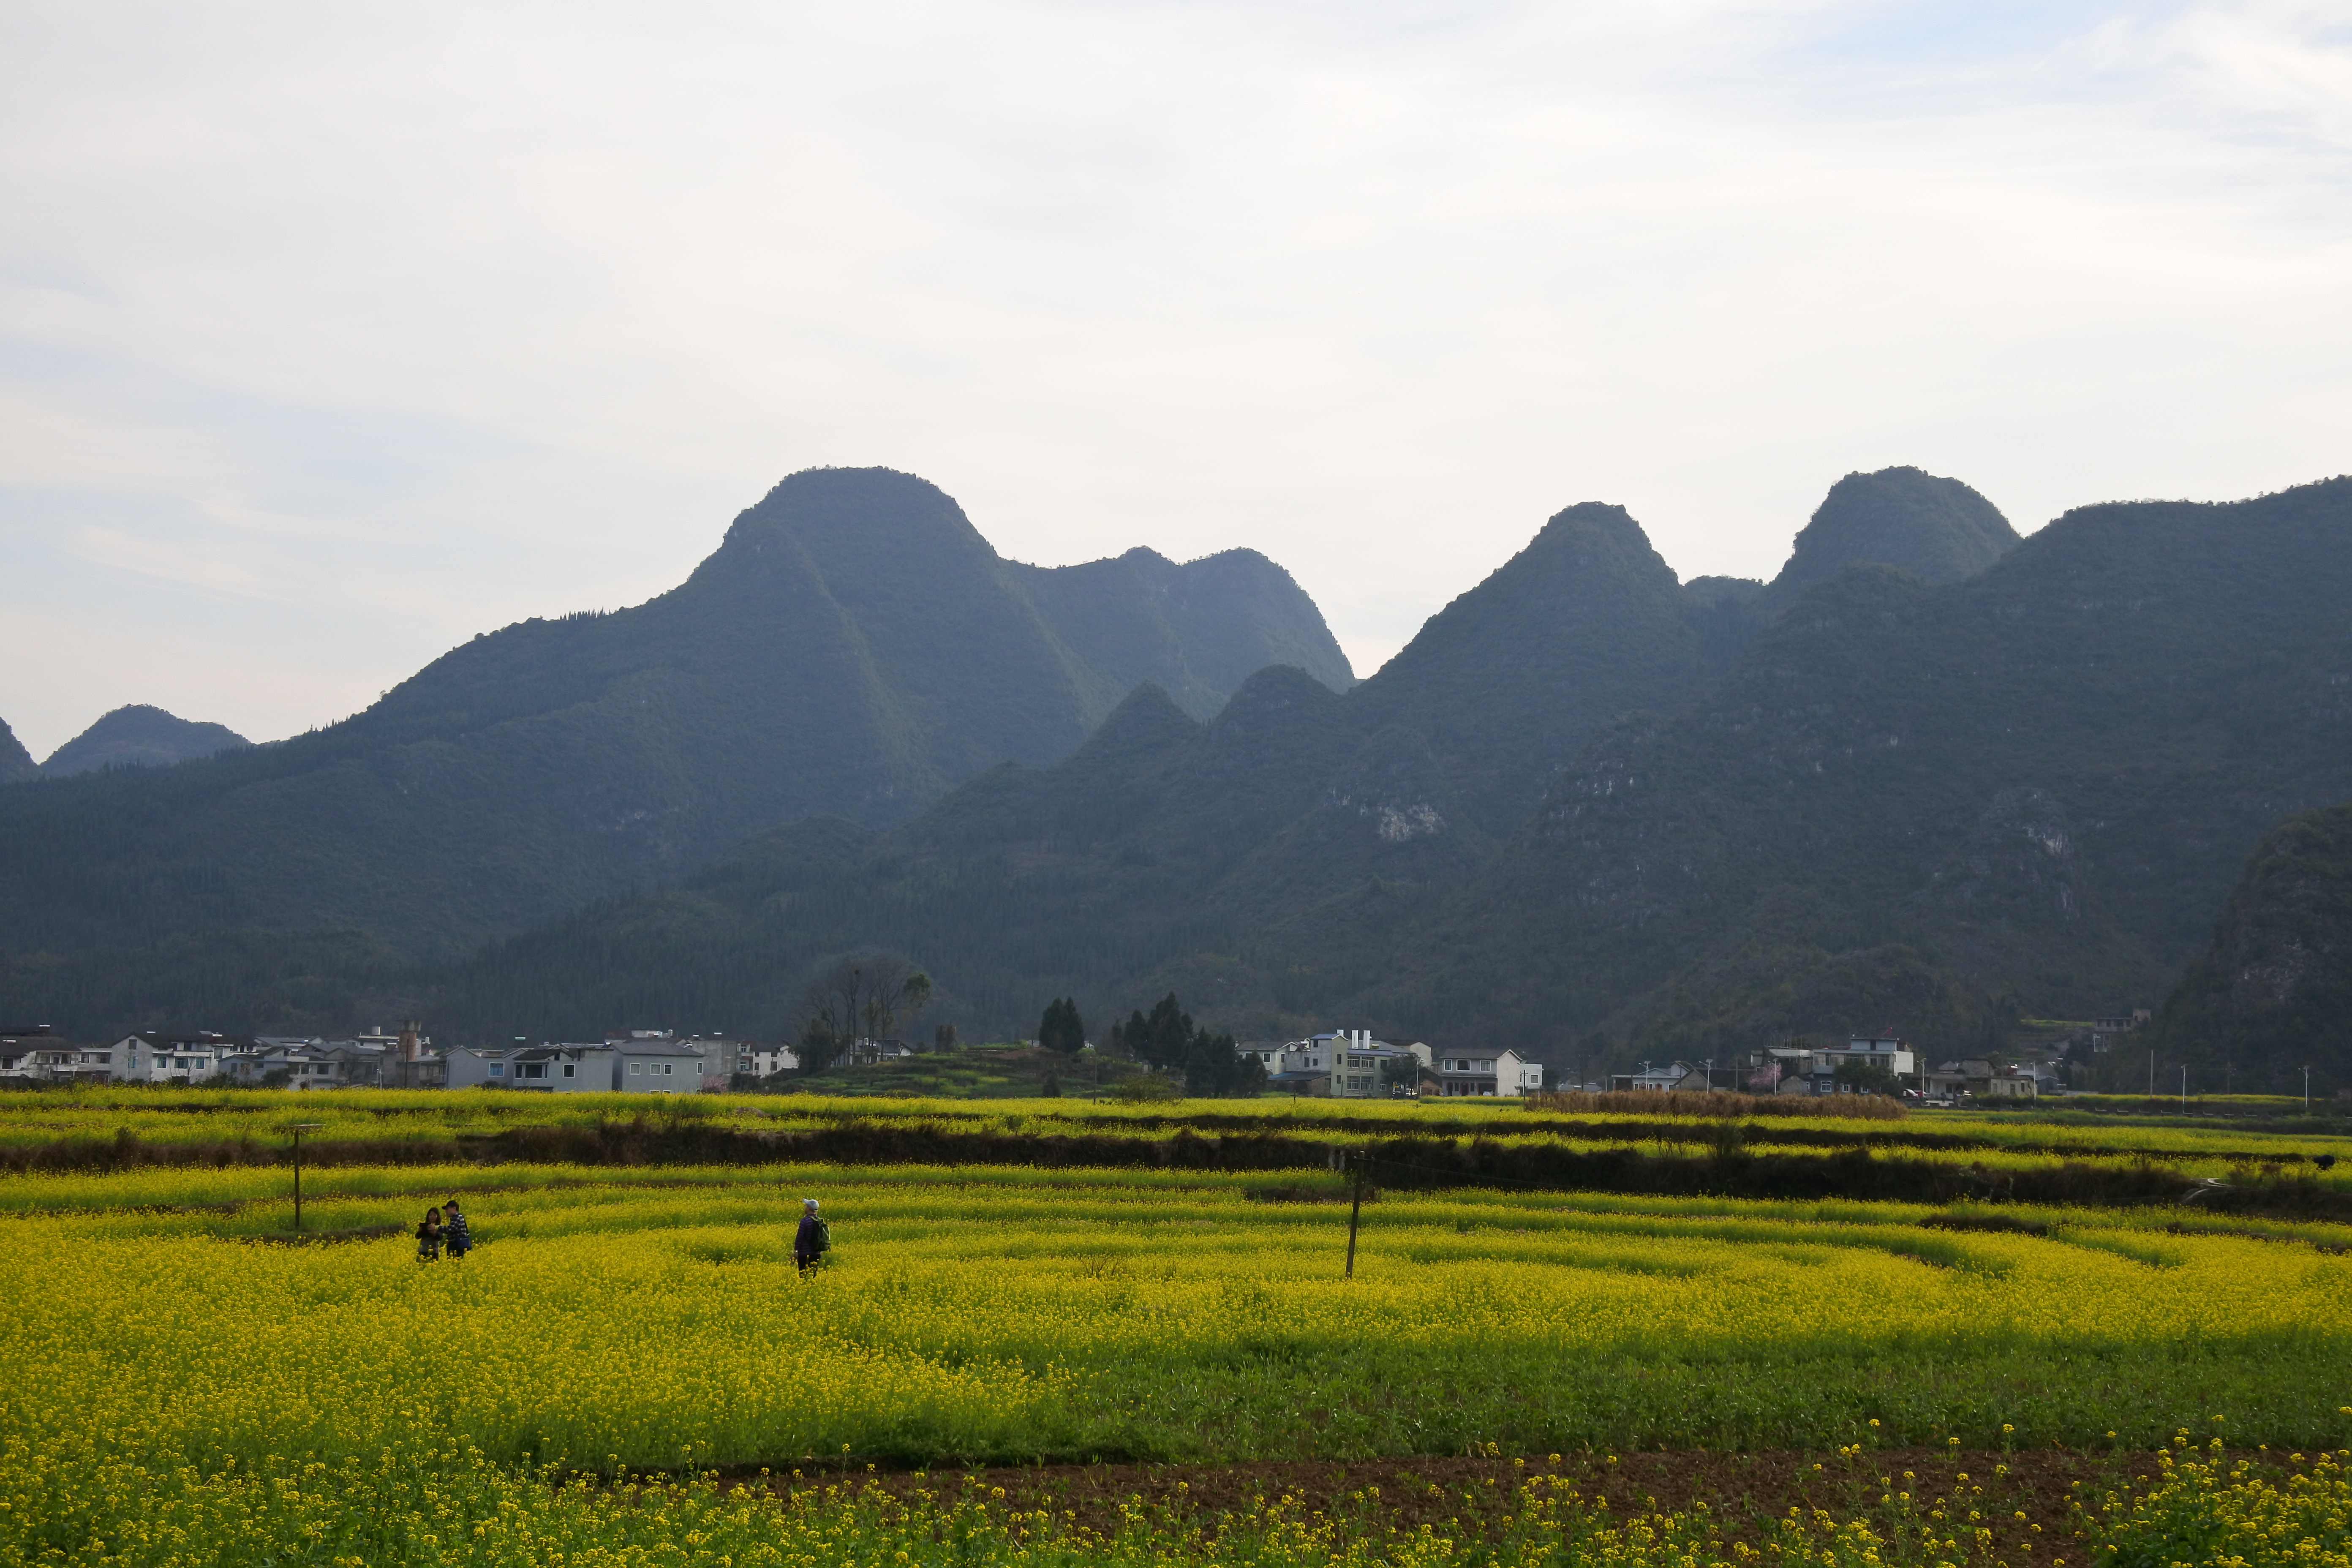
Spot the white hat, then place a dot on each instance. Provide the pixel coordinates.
(808, 1202)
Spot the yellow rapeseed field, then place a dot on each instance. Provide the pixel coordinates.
(166, 1370)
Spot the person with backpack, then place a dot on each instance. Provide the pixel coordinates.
(456, 1234)
(814, 1238)
(428, 1237)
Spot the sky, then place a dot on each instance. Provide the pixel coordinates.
(331, 335)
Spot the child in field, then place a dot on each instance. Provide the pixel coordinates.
(814, 1238)
(428, 1237)
(456, 1234)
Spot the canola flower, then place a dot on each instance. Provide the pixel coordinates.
(446, 1506)
(969, 1317)
(2210, 1508)
(173, 1392)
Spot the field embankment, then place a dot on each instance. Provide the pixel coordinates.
(1663, 1152)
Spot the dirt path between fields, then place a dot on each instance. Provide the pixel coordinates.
(1742, 1489)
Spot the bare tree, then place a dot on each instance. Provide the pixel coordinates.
(864, 995)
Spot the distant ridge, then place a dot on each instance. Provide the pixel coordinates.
(138, 736)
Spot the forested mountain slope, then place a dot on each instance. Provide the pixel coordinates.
(2035, 787)
(16, 763)
(1588, 811)
(1162, 851)
(1937, 530)
(853, 647)
(138, 737)
(2272, 992)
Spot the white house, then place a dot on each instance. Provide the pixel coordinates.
(1267, 1054)
(316, 1066)
(1882, 1050)
(154, 1056)
(560, 1069)
(544, 1068)
(1487, 1072)
(754, 1060)
(1343, 1064)
(1655, 1080)
(655, 1067)
(36, 1055)
(470, 1068)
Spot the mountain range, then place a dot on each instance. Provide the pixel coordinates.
(853, 647)
(2023, 791)
(1929, 776)
(1275, 860)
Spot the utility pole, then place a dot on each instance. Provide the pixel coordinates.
(2306, 1092)
(2151, 1075)
(2184, 1089)
(1356, 1210)
(298, 1128)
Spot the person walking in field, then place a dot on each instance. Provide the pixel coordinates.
(428, 1237)
(456, 1234)
(814, 1238)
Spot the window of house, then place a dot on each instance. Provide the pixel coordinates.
(637, 1067)
(570, 1070)
(498, 1070)
(665, 1067)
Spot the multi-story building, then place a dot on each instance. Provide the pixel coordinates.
(650, 1066)
(156, 1057)
(36, 1054)
(744, 1058)
(1344, 1064)
(1803, 1068)
(1487, 1072)
(553, 1070)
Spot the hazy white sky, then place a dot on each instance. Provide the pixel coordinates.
(332, 334)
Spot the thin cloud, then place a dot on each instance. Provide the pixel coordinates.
(498, 312)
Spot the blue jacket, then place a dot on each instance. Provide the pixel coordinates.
(811, 1239)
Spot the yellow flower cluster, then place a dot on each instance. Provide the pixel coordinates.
(2258, 1511)
(174, 1389)
(970, 1315)
(447, 1506)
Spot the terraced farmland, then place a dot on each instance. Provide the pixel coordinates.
(171, 1359)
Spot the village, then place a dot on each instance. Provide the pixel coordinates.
(1346, 1064)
